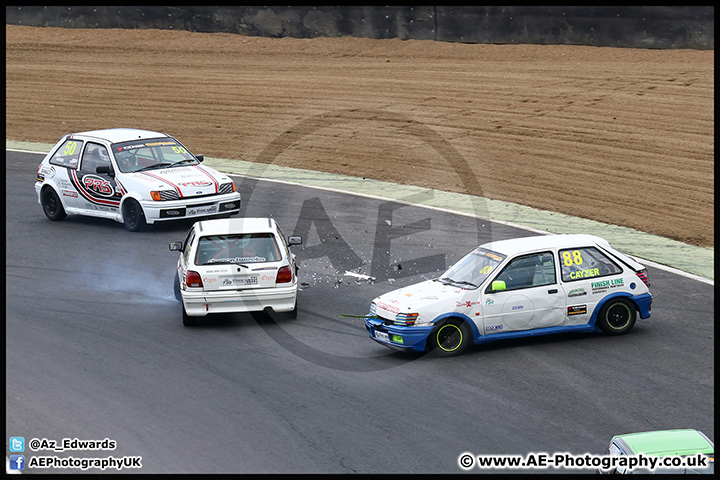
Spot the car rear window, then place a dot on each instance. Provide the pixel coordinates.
(237, 248)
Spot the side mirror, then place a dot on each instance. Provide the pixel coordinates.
(295, 240)
(176, 247)
(106, 169)
(200, 157)
(498, 285)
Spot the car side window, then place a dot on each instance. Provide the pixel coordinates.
(95, 155)
(527, 271)
(284, 243)
(68, 154)
(188, 245)
(585, 262)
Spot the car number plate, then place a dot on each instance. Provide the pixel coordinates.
(240, 281)
(382, 336)
(201, 211)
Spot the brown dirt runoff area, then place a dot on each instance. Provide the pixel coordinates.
(621, 136)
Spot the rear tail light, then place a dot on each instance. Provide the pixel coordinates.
(192, 279)
(284, 275)
(642, 275)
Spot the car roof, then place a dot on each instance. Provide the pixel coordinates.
(667, 442)
(115, 135)
(224, 226)
(540, 242)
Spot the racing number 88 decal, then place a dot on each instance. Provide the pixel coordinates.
(572, 258)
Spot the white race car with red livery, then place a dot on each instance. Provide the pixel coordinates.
(137, 177)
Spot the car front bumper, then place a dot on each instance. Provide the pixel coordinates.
(228, 203)
(398, 337)
(200, 303)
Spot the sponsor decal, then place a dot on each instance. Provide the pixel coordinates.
(85, 193)
(577, 309)
(236, 260)
(517, 307)
(491, 328)
(195, 183)
(489, 301)
(69, 193)
(592, 272)
(210, 280)
(606, 284)
(466, 303)
(268, 277)
(577, 292)
(98, 185)
(387, 307)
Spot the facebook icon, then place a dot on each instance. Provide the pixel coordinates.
(17, 462)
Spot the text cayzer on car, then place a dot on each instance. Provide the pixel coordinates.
(137, 177)
(693, 452)
(236, 265)
(515, 288)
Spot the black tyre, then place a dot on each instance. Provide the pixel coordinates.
(52, 206)
(133, 216)
(188, 321)
(617, 316)
(176, 288)
(293, 313)
(451, 338)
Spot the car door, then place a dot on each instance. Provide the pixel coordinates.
(98, 192)
(531, 298)
(588, 276)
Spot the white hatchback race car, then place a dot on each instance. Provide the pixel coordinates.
(515, 288)
(137, 177)
(236, 265)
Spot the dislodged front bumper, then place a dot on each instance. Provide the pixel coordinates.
(398, 337)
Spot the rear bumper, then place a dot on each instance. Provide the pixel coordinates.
(280, 299)
(644, 302)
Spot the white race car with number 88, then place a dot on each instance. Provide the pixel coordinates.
(514, 288)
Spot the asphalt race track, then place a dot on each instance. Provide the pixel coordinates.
(96, 349)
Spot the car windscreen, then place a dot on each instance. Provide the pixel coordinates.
(473, 269)
(138, 155)
(237, 249)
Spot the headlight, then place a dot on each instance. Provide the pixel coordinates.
(164, 195)
(407, 319)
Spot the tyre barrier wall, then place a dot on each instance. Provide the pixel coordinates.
(631, 26)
